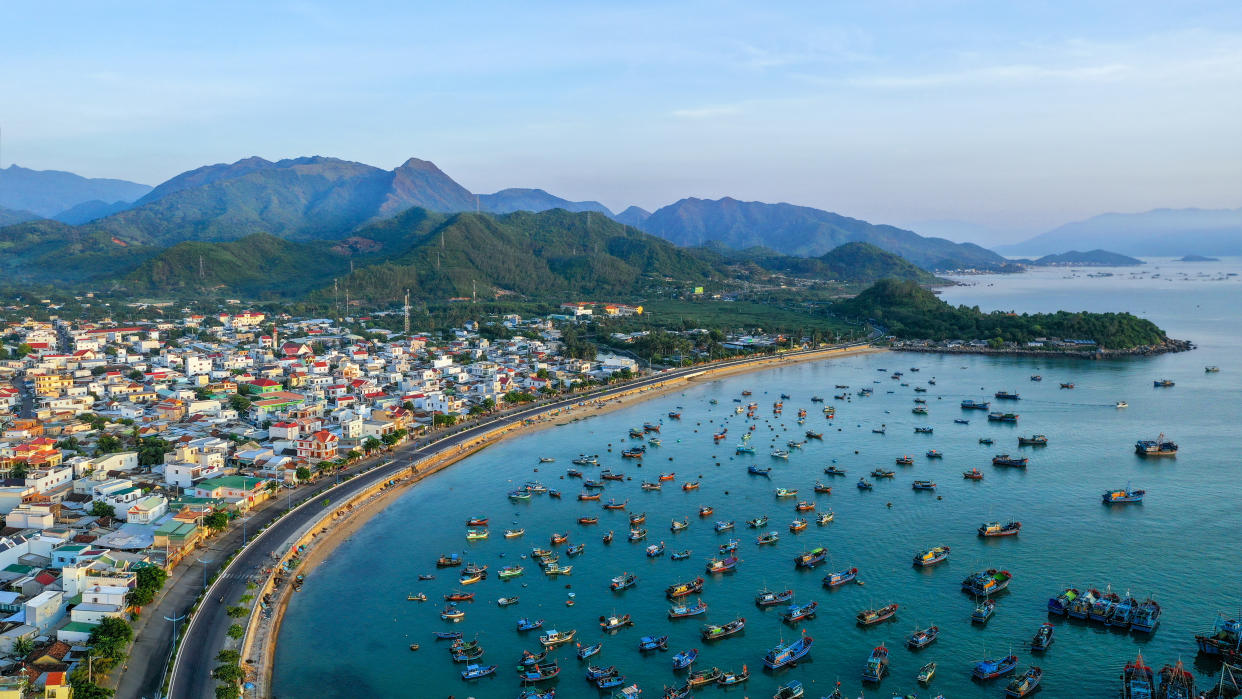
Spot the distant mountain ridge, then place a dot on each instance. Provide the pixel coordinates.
(9, 217)
(804, 231)
(1159, 232)
(49, 192)
(535, 200)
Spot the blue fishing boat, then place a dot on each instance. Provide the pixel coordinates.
(648, 643)
(1103, 606)
(1176, 682)
(1224, 639)
(529, 658)
(744, 449)
(448, 635)
(722, 525)
(1025, 683)
(1146, 616)
(923, 430)
(811, 558)
(1043, 637)
(655, 550)
(1002, 417)
(798, 612)
(975, 405)
(585, 652)
(1122, 613)
(834, 471)
(769, 598)
(614, 622)
(786, 653)
(986, 582)
(681, 611)
(991, 668)
(877, 665)
(728, 679)
(864, 484)
(1137, 680)
(1122, 495)
(790, 690)
(983, 611)
(1060, 604)
(623, 581)
(538, 673)
(756, 471)
(960, 421)
(610, 681)
(525, 624)
(685, 658)
(474, 672)
(594, 672)
(840, 577)
(536, 694)
(1005, 395)
(1080, 608)
(680, 555)
(923, 637)
(924, 485)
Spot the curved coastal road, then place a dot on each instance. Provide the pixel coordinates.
(205, 634)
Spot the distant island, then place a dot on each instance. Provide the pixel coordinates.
(1092, 258)
(1197, 258)
(919, 321)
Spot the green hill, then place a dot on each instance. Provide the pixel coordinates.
(850, 263)
(909, 311)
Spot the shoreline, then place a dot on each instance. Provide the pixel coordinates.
(341, 529)
(1171, 347)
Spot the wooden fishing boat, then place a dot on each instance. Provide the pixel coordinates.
(685, 658)
(507, 601)
(682, 611)
(452, 614)
(585, 652)
(638, 518)
(926, 673)
(804, 506)
(811, 558)
(594, 672)
(767, 538)
(538, 673)
(706, 511)
(614, 622)
(798, 612)
(821, 488)
(931, 556)
(786, 493)
(825, 517)
(466, 655)
(756, 471)
(757, 522)
(608, 537)
(797, 525)
(682, 589)
(449, 560)
(614, 505)
(655, 550)
(623, 581)
(1176, 682)
(1026, 683)
(1043, 637)
(991, 668)
(723, 565)
(474, 672)
(525, 624)
(714, 632)
(700, 678)
(690, 485)
(923, 485)
(637, 534)
(647, 485)
(558, 538)
(678, 526)
(529, 658)
(923, 637)
(840, 578)
(575, 550)
(769, 598)
(555, 638)
(987, 582)
(834, 471)
(471, 579)
(458, 596)
(722, 525)
(1138, 680)
(514, 533)
(973, 474)
(877, 664)
(668, 476)
(867, 617)
(784, 654)
(610, 682)
(588, 496)
(588, 520)
(650, 643)
(447, 635)
(731, 678)
(420, 597)
(476, 522)
(983, 611)
(1010, 528)
(680, 555)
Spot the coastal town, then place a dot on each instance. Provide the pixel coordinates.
(128, 450)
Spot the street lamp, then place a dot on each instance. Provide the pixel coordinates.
(205, 561)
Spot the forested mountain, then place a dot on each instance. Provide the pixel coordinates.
(909, 311)
(1091, 258)
(851, 262)
(804, 231)
(9, 217)
(633, 216)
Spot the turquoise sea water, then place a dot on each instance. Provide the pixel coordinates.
(347, 632)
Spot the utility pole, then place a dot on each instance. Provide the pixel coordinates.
(406, 326)
(205, 561)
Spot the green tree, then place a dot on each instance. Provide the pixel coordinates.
(109, 639)
(216, 521)
(239, 403)
(108, 444)
(99, 508)
(442, 420)
(227, 691)
(23, 646)
(19, 470)
(228, 656)
(237, 612)
(24, 349)
(235, 631)
(229, 672)
(303, 473)
(371, 444)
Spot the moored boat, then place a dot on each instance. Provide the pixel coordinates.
(1061, 603)
(1043, 637)
(975, 405)
(923, 485)
(555, 638)
(1122, 613)
(614, 622)
(1146, 616)
(1005, 395)
(1225, 639)
(973, 474)
(877, 664)
(825, 517)
(770, 598)
(926, 673)
(650, 643)
(991, 668)
(731, 678)
(1002, 417)
(1137, 680)
(867, 617)
(983, 611)
(1155, 447)
(1080, 608)
(682, 611)
(685, 658)
(1012, 461)
(788, 653)
(1124, 495)
(923, 637)
(906, 460)
(1176, 682)
(986, 582)
(798, 612)
(585, 652)
(1035, 440)
(840, 577)
(713, 632)
(623, 581)
(790, 690)
(1104, 606)
(682, 589)
(1025, 683)
(723, 565)
(811, 558)
(538, 673)
(525, 624)
(474, 672)
(1010, 528)
(931, 556)
(700, 678)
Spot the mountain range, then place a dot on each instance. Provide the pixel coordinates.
(320, 198)
(47, 193)
(1159, 232)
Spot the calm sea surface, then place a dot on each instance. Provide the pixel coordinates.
(348, 631)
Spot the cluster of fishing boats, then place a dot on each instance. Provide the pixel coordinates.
(1107, 608)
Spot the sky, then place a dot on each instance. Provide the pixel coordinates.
(988, 121)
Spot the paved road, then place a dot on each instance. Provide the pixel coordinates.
(205, 634)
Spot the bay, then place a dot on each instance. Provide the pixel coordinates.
(348, 630)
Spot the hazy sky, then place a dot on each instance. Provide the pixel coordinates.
(1015, 116)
